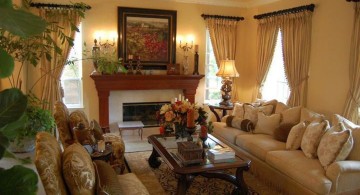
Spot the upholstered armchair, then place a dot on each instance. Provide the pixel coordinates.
(65, 123)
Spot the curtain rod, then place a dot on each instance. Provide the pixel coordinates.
(353, 0)
(309, 7)
(222, 17)
(58, 6)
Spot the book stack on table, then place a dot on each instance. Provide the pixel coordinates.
(218, 155)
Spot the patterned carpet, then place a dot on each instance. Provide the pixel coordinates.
(164, 181)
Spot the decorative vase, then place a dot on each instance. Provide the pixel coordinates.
(26, 144)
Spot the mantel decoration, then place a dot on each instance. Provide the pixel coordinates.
(149, 33)
(182, 117)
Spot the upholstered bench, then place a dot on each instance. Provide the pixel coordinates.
(73, 171)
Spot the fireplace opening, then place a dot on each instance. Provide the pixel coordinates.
(142, 111)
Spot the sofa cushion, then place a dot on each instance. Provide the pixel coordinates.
(267, 124)
(228, 133)
(251, 112)
(61, 116)
(308, 172)
(77, 117)
(280, 107)
(258, 144)
(131, 185)
(308, 115)
(355, 131)
(78, 170)
(312, 137)
(48, 163)
(106, 179)
(293, 141)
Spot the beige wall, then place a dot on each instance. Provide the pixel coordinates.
(329, 61)
(331, 34)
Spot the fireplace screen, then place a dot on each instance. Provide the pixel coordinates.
(142, 111)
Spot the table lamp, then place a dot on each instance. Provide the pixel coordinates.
(227, 70)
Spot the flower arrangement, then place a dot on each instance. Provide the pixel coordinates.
(183, 115)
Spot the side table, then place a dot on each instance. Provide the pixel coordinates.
(219, 107)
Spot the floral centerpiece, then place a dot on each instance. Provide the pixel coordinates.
(183, 117)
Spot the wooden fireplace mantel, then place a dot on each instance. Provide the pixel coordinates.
(106, 83)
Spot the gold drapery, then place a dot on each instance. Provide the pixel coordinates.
(352, 104)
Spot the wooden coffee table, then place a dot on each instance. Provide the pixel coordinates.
(165, 147)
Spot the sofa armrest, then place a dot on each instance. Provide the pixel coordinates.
(345, 176)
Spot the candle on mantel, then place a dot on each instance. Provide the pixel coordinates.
(196, 48)
(179, 97)
(190, 122)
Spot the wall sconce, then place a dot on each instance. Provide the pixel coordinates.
(106, 47)
(227, 70)
(186, 47)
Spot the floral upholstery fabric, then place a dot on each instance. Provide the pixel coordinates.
(131, 185)
(295, 136)
(98, 133)
(77, 117)
(118, 154)
(48, 163)
(312, 137)
(251, 112)
(78, 170)
(61, 116)
(334, 146)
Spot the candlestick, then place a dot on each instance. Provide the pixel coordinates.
(190, 122)
(179, 97)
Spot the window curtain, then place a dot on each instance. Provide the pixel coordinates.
(296, 36)
(51, 70)
(353, 99)
(267, 32)
(223, 33)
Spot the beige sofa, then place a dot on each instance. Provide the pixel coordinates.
(288, 169)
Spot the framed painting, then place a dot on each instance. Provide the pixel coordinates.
(148, 35)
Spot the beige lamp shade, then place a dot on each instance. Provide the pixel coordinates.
(227, 69)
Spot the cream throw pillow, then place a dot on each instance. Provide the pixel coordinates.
(355, 131)
(267, 124)
(238, 110)
(295, 136)
(251, 112)
(280, 107)
(335, 145)
(291, 115)
(312, 137)
(308, 115)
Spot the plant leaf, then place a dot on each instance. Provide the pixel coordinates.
(4, 143)
(18, 180)
(6, 64)
(6, 3)
(21, 23)
(12, 105)
(12, 130)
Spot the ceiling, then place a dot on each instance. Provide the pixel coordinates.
(229, 3)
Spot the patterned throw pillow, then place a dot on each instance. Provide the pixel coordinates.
(312, 137)
(78, 170)
(238, 110)
(355, 131)
(106, 179)
(308, 115)
(270, 102)
(61, 116)
(267, 124)
(98, 132)
(77, 117)
(335, 145)
(251, 112)
(239, 123)
(293, 141)
(291, 115)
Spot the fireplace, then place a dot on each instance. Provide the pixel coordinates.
(142, 111)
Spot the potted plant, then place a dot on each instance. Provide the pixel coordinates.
(37, 119)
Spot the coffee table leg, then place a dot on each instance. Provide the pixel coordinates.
(154, 162)
(242, 188)
(184, 183)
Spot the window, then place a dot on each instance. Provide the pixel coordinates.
(71, 78)
(212, 82)
(276, 84)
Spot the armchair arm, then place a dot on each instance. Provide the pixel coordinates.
(345, 176)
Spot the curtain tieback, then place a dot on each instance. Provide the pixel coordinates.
(352, 97)
(301, 81)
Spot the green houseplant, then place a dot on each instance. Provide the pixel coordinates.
(24, 37)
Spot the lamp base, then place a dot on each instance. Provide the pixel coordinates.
(226, 88)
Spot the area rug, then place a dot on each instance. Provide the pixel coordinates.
(163, 181)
